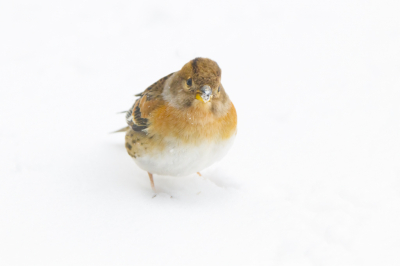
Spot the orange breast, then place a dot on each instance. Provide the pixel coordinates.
(193, 125)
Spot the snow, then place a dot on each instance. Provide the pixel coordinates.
(313, 177)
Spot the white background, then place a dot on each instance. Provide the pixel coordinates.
(313, 177)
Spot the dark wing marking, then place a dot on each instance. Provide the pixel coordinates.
(149, 100)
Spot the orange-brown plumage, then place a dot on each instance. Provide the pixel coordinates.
(194, 125)
(184, 118)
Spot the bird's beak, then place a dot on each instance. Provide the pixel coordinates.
(204, 94)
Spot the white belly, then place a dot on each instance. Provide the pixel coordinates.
(179, 159)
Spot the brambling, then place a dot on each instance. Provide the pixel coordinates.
(183, 123)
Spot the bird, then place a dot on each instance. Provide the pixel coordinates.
(183, 123)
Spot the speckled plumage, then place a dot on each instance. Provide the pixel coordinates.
(171, 131)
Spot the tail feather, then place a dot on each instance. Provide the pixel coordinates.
(124, 129)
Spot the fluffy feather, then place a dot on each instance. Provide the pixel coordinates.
(167, 117)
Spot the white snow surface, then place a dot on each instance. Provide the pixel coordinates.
(313, 177)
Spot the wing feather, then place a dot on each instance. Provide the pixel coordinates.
(150, 99)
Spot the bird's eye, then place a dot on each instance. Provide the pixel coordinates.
(219, 88)
(189, 82)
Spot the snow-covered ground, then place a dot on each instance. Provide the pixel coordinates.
(313, 177)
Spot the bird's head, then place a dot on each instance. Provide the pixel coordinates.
(198, 84)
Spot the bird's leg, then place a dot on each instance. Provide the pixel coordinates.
(152, 182)
(199, 173)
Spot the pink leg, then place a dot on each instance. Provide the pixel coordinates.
(152, 182)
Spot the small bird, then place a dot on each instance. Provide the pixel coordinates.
(183, 123)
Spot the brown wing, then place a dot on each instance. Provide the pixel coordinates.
(149, 100)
